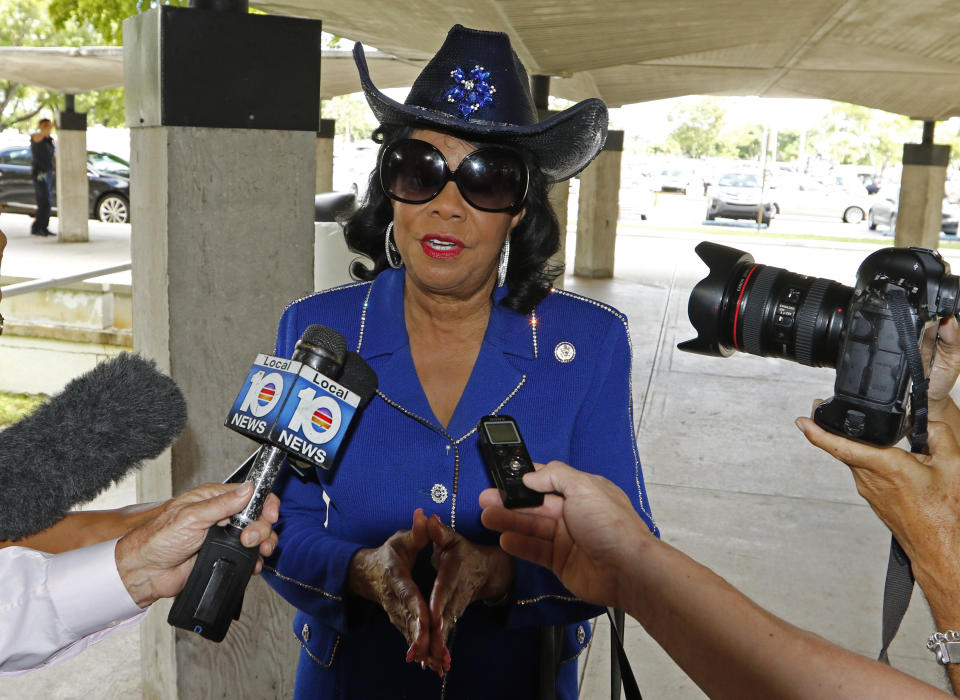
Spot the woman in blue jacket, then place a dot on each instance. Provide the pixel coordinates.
(401, 592)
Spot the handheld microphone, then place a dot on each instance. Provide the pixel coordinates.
(101, 426)
(301, 409)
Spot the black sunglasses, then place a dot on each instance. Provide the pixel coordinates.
(489, 179)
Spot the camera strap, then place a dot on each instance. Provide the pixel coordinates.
(898, 586)
(630, 688)
(903, 320)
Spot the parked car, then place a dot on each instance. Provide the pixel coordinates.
(636, 197)
(108, 163)
(677, 180)
(109, 190)
(883, 212)
(739, 195)
(807, 196)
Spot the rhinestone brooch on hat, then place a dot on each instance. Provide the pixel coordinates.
(470, 91)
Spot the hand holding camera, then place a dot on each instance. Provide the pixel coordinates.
(872, 333)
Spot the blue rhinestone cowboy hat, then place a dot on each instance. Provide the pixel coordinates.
(476, 88)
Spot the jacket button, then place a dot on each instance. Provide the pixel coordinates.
(581, 634)
(305, 632)
(438, 493)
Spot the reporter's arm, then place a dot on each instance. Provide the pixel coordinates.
(83, 528)
(732, 648)
(918, 498)
(594, 541)
(52, 607)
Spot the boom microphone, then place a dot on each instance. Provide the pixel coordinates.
(102, 425)
(301, 410)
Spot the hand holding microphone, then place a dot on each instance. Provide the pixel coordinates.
(155, 559)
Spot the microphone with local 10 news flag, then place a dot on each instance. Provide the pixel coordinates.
(301, 410)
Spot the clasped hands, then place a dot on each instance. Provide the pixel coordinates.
(465, 572)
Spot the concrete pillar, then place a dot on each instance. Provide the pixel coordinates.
(559, 192)
(599, 210)
(219, 247)
(560, 199)
(325, 155)
(921, 192)
(73, 189)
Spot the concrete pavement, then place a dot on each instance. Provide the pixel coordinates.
(29, 257)
(731, 480)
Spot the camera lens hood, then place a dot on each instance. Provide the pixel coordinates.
(711, 296)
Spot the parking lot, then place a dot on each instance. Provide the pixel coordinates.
(674, 211)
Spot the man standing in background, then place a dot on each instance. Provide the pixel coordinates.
(42, 172)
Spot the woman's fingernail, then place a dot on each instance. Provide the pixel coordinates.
(249, 538)
(799, 425)
(423, 665)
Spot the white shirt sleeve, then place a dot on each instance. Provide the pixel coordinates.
(52, 607)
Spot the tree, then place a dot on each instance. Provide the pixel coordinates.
(747, 142)
(105, 17)
(858, 135)
(27, 23)
(355, 121)
(699, 129)
(788, 145)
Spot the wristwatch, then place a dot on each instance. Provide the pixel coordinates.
(946, 645)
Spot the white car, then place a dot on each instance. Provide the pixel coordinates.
(807, 196)
(677, 180)
(738, 195)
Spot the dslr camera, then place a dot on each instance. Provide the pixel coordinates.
(871, 333)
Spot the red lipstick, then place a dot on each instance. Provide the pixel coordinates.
(441, 246)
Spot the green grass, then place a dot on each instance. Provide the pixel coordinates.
(13, 407)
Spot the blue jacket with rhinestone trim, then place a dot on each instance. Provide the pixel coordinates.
(563, 372)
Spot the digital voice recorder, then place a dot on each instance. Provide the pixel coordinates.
(507, 461)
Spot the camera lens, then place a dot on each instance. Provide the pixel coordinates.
(765, 310)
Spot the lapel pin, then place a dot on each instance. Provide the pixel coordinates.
(565, 352)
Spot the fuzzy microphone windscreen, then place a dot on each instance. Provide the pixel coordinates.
(102, 425)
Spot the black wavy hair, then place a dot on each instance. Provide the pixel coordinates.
(532, 242)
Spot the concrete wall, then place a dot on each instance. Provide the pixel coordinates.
(43, 365)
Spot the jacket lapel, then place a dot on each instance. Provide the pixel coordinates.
(495, 378)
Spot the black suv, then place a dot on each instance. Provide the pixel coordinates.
(109, 188)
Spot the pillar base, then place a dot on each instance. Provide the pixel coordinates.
(73, 188)
(599, 211)
(559, 196)
(919, 217)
